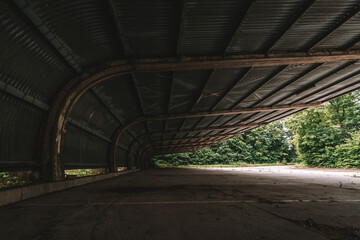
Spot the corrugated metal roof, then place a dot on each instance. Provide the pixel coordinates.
(44, 44)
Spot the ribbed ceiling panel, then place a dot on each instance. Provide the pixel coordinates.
(316, 22)
(84, 27)
(27, 62)
(148, 28)
(207, 26)
(263, 23)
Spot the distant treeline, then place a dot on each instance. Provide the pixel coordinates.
(327, 136)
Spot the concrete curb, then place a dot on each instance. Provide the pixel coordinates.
(9, 196)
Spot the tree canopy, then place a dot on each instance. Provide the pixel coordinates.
(327, 136)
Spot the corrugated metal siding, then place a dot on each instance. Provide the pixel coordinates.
(219, 82)
(263, 23)
(81, 147)
(84, 27)
(255, 77)
(186, 88)
(120, 94)
(19, 126)
(91, 112)
(125, 140)
(121, 158)
(208, 25)
(37, 66)
(317, 21)
(344, 37)
(323, 72)
(27, 62)
(149, 28)
(153, 91)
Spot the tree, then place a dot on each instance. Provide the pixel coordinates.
(319, 131)
(328, 136)
(267, 144)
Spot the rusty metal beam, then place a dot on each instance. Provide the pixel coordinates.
(202, 114)
(243, 75)
(67, 97)
(184, 147)
(162, 152)
(271, 94)
(238, 126)
(333, 94)
(197, 139)
(141, 106)
(337, 71)
(200, 95)
(243, 60)
(225, 112)
(252, 91)
(179, 150)
(144, 136)
(147, 149)
(169, 99)
(176, 145)
(297, 79)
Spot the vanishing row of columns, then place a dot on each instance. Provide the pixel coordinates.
(67, 97)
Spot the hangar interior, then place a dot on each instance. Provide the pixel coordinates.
(108, 84)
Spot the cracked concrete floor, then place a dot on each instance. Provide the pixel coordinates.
(281, 202)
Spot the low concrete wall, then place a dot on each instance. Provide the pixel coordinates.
(8, 196)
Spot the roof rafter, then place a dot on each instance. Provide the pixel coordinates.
(319, 90)
(243, 75)
(169, 99)
(239, 60)
(200, 95)
(182, 145)
(239, 126)
(197, 139)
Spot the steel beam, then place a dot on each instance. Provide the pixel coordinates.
(243, 60)
(190, 140)
(198, 98)
(177, 145)
(75, 88)
(204, 114)
(238, 126)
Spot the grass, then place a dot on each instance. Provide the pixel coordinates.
(84, 172)
(223, 165)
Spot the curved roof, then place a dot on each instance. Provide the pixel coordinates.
(218, 68)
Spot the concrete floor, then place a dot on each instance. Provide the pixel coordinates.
(280, 202)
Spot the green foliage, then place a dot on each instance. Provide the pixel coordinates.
(84, 172)
(328, 136)
(10, 179)
(348, 155)
(268, 144)
(323, 135)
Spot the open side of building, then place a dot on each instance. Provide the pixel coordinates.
(105, 84)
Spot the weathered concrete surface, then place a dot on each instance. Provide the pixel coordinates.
(247, 203)
(8, 196)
